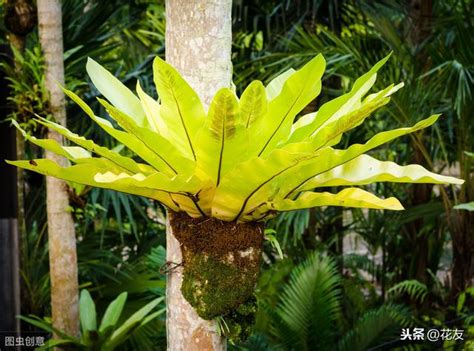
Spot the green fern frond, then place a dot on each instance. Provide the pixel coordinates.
(309, 308)
(413, 288)
(375, 327)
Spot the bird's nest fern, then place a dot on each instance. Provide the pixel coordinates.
(243, 160)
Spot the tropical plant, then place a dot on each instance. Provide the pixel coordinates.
(309, 306)
(125, 225)
(468, 206)
(111, 332)
(413, 288)
(458, 317)
(35, 272)
(198, 166)
(26, 82)
(442, 83)
(309, 313)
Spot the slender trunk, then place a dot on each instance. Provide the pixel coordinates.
(463, 254)
(198, 44)
(20, 19)
(462, 269)
(420, 14)
(61, 233)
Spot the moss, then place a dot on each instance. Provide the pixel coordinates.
(214, 288)
(221, 261)
(239, 322)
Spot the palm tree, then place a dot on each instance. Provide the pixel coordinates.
(61, 232)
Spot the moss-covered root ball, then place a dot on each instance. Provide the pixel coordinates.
(221, 261)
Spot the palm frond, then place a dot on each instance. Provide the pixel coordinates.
(374, 327)
(413, 288)
(309, 307)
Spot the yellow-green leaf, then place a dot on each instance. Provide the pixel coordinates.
(116, 92)
(328, 158)
(251, 182)
(365, 169)
(336, 108)
(129, 140)
(85, 174)
(181, 110)
(273, 88)
(125, 162)
(151, 107)
(299, 89)
(330, 133)
(253, 103)
(171, 160)
(350, 197)
(219, 144)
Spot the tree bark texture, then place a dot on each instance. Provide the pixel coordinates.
(61, 232)
(185, 330)
(420, 17)
(198, 45)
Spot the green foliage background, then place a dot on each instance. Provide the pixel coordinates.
(319, 295)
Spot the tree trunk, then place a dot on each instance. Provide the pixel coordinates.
(61, 233)
(198, 44)
(20, 19)
(420, 16)
(462, 222)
